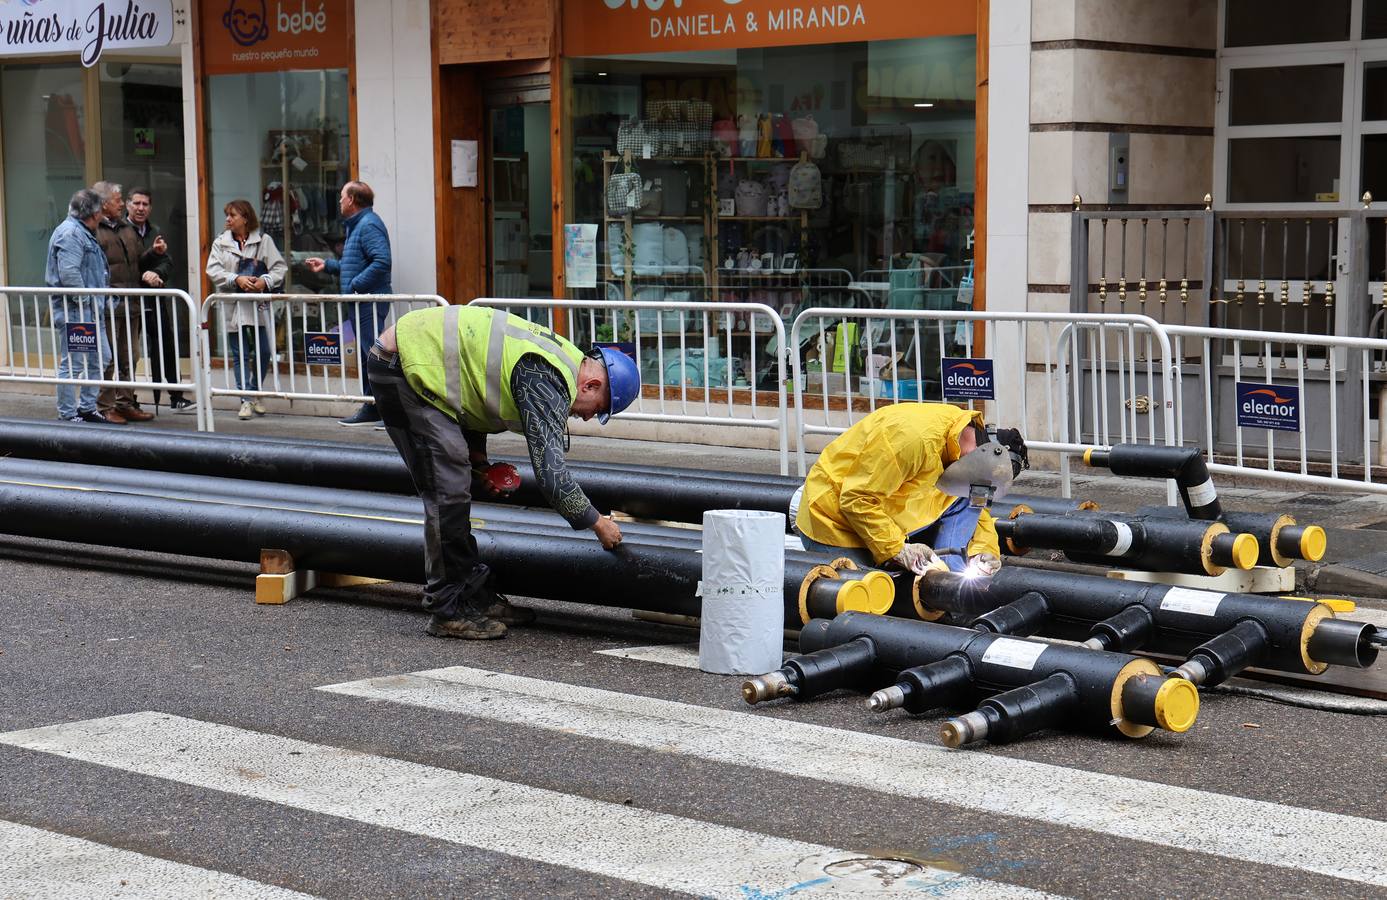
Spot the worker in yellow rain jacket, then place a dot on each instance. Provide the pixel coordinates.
(874, 495)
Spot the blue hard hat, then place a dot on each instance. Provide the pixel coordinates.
(623, 382)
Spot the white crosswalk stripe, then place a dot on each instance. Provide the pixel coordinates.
(1340, 846)
(43, 865)
(651, 848)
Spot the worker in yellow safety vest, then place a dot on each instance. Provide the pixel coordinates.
(907, 478)
(446, 377)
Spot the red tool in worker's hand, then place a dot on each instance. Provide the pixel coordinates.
(500, 479)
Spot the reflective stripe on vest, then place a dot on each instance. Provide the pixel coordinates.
(452, 367)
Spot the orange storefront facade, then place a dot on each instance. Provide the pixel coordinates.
(711, 105)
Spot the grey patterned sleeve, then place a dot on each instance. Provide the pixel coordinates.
(541, 397)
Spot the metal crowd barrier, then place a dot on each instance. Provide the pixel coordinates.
(152, 331)
(899, 354)
(700, 363)
(1323, 370)
(295, 346)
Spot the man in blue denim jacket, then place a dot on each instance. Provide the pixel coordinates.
(76, 260)
(364, 269)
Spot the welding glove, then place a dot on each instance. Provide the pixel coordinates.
(988, 564)
(919, 558)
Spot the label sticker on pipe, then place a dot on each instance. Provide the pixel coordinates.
(1187, 600)
(1124, 539)
(1013, 653)
(1203, 494)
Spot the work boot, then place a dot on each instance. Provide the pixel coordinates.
(134, 414)
(467, 627)
(502, 610)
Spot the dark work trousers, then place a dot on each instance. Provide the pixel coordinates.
(435, 452)
(167, 343)
(125, 353)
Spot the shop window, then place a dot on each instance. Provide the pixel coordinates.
(1260, 23)
(888, 127)
(281, 141)
(1280, 95)
(142, 144)
(43, 112)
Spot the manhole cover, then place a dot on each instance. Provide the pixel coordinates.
(882, 871)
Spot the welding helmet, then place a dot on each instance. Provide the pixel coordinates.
(982, 475)
(623, 381)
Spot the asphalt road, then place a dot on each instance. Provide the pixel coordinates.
(539, 766)
(89, 633)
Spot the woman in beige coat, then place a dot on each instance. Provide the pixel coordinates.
(246, 261)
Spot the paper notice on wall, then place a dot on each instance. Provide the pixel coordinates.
(464, 163)
(580, 255)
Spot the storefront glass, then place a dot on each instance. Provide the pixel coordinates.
(833, 174)
(43, 113)
(281, 141)
(142, 145)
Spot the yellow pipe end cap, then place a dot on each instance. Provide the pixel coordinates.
(882, 588)
(1088, 455)
(1177, 705)
(1313, 543)
(1340, 605)
(854, 596)
(1245, 551)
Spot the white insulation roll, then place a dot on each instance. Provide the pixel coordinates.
(743, 584)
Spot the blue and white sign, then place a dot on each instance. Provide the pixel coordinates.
(1273, 406)
(322, 348)
(82, 337)
(967, 379)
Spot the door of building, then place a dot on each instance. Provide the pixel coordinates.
(519, 193)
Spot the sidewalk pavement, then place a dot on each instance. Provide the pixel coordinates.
(1356, 522)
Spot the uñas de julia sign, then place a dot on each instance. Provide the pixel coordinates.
(85, 27)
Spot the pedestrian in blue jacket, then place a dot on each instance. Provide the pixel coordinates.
(363, 269)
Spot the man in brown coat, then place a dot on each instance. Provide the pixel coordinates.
(123, 251)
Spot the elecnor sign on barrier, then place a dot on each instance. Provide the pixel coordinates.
(81, 337)
(968, 379)
(322, 348)
(1274, 406)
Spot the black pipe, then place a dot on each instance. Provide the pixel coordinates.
(1181, 618)
(338, 501)
(571, 568)
(1280, 539)
(682, 498)
(941, 665)
(1184, 464)
(1154, 544)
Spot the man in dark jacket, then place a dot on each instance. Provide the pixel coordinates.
(161, 317)
(364, 269)
(122, 247)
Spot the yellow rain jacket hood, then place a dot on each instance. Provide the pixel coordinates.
(875, 483)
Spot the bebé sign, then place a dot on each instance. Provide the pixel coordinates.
(1272, 406)
(322, 348)
(967, 379)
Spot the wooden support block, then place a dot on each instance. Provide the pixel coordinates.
(279, 581)
(1258, 580)
(276, 588)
